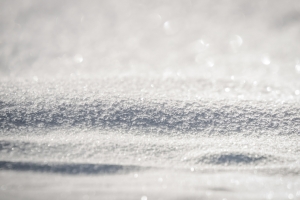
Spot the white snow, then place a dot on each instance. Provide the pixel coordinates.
(149, 100)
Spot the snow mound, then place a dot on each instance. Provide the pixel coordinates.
(42, 105)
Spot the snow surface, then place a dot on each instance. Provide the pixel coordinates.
(149, 100)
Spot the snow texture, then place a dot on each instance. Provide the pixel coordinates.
(149, 99)
(104, 104)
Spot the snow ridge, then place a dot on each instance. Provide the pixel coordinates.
(129, 113)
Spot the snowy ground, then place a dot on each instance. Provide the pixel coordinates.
(74, 164)
(149, 100)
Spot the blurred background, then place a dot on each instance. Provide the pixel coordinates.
(243, 39)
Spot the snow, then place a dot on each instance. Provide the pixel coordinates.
(149, 100)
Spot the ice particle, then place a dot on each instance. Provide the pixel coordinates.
(266, 60)
(78, 58)
(297, 68)
(144, 198)
(291, 196)
(171, 27)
